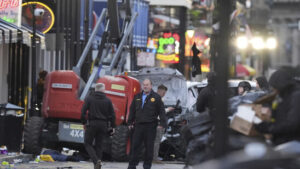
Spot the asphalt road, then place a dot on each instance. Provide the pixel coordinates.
(89, 165)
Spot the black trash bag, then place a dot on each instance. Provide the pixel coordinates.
(197, 126)
(198, 137)
(171, 150)
(199, 149)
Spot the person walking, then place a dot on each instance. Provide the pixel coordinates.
(285, 125)
(143, 120)
(100, 112)
(161, 91)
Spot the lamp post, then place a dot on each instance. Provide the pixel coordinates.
(34, 106)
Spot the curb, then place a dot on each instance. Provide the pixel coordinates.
(21, 158)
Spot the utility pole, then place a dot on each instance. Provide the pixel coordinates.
(34, 107)
(221, 66)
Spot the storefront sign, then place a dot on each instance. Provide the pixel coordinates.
(173, 58)
(10, 11)
(168, 48)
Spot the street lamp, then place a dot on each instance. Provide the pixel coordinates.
(34, 106)
(271, 43)
(242, 42)
(261, 45)
(258, 43)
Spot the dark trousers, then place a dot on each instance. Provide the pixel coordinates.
(96, 130)
(143, 134)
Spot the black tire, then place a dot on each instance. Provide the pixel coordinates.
(119, 143)
(32, 135)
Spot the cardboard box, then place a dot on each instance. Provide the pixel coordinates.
(241, 125)
(264, 113)
(244, 119)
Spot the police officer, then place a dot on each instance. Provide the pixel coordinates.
(144, 111)
(100, 113)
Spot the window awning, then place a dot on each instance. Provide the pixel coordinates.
(10, 33)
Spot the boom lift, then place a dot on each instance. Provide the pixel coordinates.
(65, 91)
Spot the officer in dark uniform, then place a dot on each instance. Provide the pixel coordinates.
(144, 111)
(101, 112)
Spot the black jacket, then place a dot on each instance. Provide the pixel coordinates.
(286, 126)
(99, 107)
(205, 99)
(153, 107)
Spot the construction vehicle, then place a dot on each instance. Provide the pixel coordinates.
(65, 91)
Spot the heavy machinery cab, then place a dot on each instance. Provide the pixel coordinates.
(61, 91)
(121, 90)
(63, 88)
